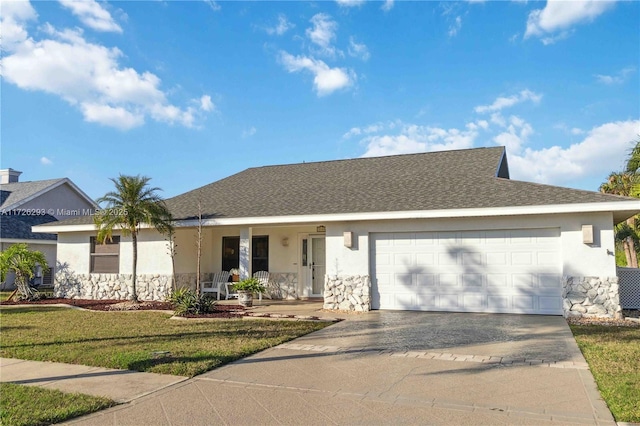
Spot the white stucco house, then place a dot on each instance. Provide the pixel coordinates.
(441, 231)
(29, 203)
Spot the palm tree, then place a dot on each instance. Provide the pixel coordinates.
(23, 262)
(627, 184)
(132, 205)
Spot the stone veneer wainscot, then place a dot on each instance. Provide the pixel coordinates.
(347, 293)
(591, 297)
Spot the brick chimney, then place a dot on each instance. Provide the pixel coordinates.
(9, 176)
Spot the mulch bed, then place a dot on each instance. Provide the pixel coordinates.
(222, 311)
(631, 319)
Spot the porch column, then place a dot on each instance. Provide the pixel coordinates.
(245, 253)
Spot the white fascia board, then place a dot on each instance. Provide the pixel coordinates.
(628, 207)
(17, 241)
(632, 207)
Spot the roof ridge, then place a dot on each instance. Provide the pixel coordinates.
(381, 156)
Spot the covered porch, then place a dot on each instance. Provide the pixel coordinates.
(294, 256)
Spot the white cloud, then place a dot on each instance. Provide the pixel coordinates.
(505, 102)
(358, 50)
(206, 104)
(92, 14)
(516, 134)
(281, 27)
(213, 5)
(387, 5)
(576, 131)
(455, 26)
(618, 78)
(107, 115)
(598, 153)
(326, 80)
(249, 132)
(88, 76)
(15, 14)
(372, 128)
(323, 33)
(413, 138)
(45, 161)
(350, 3)
(561, 15)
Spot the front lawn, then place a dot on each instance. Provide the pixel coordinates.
(613, 354)
(138, 340)
(28, 405)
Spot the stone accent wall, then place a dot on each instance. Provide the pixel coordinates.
(347, 293)
(283, 285)
(188, 280)
(111, 286)
(591, 297)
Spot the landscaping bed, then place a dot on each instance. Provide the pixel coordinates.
(220, 311)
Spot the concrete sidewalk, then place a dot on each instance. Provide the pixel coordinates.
(118, 385)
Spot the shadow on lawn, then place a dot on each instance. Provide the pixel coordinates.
(156, 338)
(210, 361)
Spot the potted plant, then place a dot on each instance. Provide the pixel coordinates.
(246, 288)
(235, 275)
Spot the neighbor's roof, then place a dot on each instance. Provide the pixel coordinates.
(18, 227)
(447, 180)
(14, 194)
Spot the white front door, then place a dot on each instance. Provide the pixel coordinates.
(313, 266)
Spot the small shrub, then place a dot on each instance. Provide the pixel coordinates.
(187, 302)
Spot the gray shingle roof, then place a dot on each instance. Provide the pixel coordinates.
(19, 227)
(14, 193)
(428, 181)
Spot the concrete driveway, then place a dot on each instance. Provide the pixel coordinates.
(392, 368)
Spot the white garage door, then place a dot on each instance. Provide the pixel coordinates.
(510, 271)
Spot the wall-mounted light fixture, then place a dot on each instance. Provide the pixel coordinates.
(348, 239)
(587, 234)
(321, 228)
(285, 241)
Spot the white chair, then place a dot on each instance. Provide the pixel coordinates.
(217, 283)
(229, 291)
(263, 277)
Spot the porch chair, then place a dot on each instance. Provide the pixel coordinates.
(217, 283)
(263, 277)
(229, 291)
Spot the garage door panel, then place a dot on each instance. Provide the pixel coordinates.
(472, 280)
(425, 280)
(471, 259)
(476, 271)
(448, 301)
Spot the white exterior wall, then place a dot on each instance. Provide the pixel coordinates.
(74, 253)
(578, 259)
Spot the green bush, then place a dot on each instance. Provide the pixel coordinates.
(186, 301)
(249, 284)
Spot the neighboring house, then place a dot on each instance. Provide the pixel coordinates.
(441, 231)
(26, 204)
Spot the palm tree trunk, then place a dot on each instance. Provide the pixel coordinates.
(627, 253)
(134, 240)
(631, 244)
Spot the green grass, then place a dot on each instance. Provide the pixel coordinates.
(127, 340)
(613, 354)
(27, 405)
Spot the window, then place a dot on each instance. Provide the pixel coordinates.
(230, 253)
(259, 253)
(105, 258)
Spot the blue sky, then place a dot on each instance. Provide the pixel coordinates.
(189, 92)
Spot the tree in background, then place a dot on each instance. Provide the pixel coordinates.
(627, 183)
(23, 263)
(132, 205)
